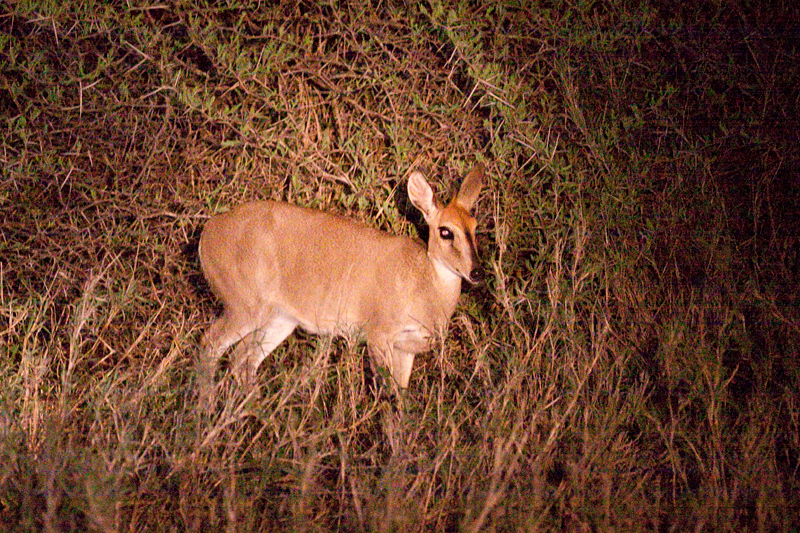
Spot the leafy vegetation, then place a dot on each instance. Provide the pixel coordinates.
(631, 363)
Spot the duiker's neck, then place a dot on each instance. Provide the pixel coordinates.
(447, 282)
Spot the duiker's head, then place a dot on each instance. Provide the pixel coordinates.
(451, 242)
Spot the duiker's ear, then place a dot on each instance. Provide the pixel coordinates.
(421, 194)
(471, 187)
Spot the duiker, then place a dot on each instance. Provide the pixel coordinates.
(277, 266)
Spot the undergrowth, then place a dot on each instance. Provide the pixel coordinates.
(630, 363)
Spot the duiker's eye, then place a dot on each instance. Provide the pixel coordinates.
(445, 234)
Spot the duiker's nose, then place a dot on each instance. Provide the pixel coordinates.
(476, 275)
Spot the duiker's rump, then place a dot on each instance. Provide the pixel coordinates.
(277, 266)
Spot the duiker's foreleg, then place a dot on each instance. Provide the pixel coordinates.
(402, 363)
(398, 362)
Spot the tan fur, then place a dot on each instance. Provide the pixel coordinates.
(277, 266)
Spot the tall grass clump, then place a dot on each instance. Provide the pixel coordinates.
(630, 363)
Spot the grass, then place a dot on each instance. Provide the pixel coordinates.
(630, 364)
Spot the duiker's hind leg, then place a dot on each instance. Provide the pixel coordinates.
(258, 345)
(228, 329)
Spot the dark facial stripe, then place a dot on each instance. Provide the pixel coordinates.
(472, 247)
